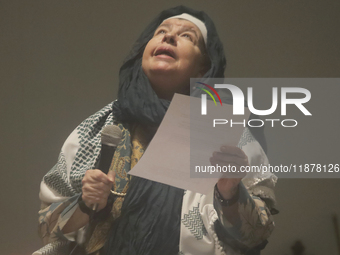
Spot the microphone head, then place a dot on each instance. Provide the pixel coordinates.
(111, 135)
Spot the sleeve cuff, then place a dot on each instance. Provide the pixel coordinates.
(243, 197)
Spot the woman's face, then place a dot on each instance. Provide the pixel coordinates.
(173, 56)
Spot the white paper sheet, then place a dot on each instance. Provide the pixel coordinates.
(167, 158)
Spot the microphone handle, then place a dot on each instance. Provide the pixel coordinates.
(106, 158)
(104, 164)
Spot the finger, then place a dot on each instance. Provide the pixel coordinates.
(95, 175)
(232, 167)
(233, 176)
(228, 170)
(96, 184)
(228, 158)
(89, 191)
(92, 197)
(111, 176)
(233, 150)
(96, 188)
(101, 177)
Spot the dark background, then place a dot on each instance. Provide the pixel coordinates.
(59, 63)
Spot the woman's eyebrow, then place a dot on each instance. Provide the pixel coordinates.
(183, 27)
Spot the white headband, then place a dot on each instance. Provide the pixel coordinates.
(194, 20)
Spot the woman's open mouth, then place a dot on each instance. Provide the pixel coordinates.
(165, 52)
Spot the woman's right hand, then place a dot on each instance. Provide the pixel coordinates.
(97, 187)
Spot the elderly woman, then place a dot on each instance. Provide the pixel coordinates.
(139, 216)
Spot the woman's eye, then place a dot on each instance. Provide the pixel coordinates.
(161, 31)
(187, 36)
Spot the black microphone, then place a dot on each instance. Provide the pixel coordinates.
(110, 137)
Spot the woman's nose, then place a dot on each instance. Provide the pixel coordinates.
(169, 38)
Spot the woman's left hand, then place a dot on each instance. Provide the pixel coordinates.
(231, 157)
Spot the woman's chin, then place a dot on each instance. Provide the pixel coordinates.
(163, 72)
